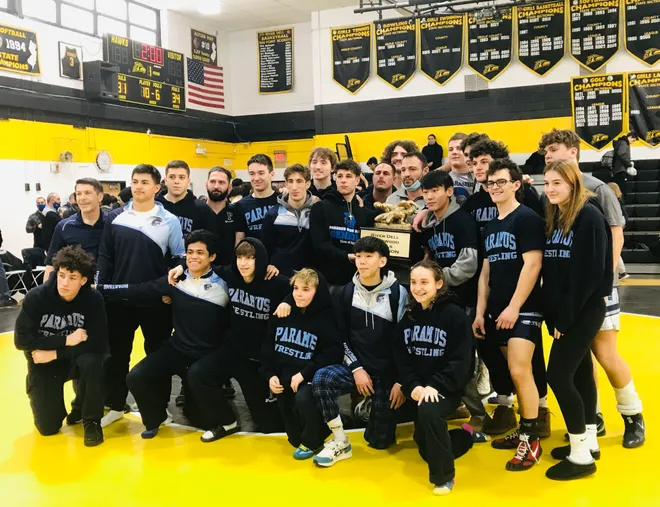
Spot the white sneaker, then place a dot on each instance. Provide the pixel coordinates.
(333, 451)
(110, 417)
(483, 380)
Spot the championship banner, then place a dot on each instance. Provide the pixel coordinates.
(396, 51)
(204, 47)
(541, 36)
(19, 50)
(441, 46)
(594, 32)
(598, 108)
(275, 61)
(490, 44)
(644, 99)
(642, 30)
(351, 56)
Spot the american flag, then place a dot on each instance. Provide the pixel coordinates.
(205, 85)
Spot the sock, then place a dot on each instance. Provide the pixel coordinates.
(231, 426)
(505, 400)
(110, 417)
(580, 454)
(337, 429)
(528, 427)
(627, 400)
(598, 410)
(592, 439)
(543, 402)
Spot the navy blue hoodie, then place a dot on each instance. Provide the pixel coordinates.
(304, 341)
(192, 213)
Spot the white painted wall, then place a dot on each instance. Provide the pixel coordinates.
(244, 65)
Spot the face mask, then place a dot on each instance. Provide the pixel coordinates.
(56, 206)
(41, 207)
(413, 187)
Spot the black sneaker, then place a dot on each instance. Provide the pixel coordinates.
(218, 433)
(635, 432)
(93, 433)
(7, 303)
(74, 417)
(560, 453)
(600, 427)
(228, 391)
(566, 470)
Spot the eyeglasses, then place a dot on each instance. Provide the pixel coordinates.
(498, 183)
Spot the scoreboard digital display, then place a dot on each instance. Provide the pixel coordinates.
(148, 75)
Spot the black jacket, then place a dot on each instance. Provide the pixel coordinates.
(435, 347)
(335, 227)
(304, 341)
(191, 212)
(46, 320)
(576, 268)
(622, 160)
(433, 153)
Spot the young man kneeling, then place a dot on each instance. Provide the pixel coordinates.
(62, 328)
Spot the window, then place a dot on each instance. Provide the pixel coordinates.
(128, 18)
(4, 4)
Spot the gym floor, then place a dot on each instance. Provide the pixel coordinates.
(177, 469)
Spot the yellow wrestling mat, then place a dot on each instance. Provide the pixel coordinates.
(176, 469)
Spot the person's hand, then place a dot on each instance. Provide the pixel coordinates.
(296, 381)
(40, 226)
(417, 393)
(359, 200)
(167, 300)
(429, 394)
(557, 334)
(528, 179)
(363, 382)
(78, 336)
(479, 327)
(508, 318)
(397, 398)
(351, 258)
(271, 271)
(283, 310)
(417, 221)
(44, 356)
(275, 386)
(315, 199)
(174, 274)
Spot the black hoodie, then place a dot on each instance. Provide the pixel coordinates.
(481, 206)
(251, 304)
(335, 227)
(435, 347)
(46, 320)
(304, 341)
(576, 268)
(191, 212)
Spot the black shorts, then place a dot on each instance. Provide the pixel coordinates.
(528, 327)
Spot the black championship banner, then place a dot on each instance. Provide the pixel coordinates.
(441, 46)
(204, 47)
(351, 56)
(19, 50)
(396, 51)
(490, 44)
(275, 61)
(598, 108)
(644, 105)
(594, 31)
(541, 36)
(642, 30)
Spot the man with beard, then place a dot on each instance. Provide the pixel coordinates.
(394, 153)
(413, 167)
(218, 186)
(382, 187)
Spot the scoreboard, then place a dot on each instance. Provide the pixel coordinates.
(148, 75)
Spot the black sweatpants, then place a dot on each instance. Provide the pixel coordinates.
(621, 178)
(206, 378)
(498, 368)
(150, 382)
(303, 421)
(438, 446)
(570, 369)
(45, 388)
(123, 321)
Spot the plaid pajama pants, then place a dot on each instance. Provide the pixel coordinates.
(333, 381)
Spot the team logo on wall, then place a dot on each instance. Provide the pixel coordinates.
(441, 46)
(490, 43)
(351, 56)
(541, 36)
(396, 51)
(644, 108)
(70, 61)
(642, 30)
(594, 28)
(598, 106)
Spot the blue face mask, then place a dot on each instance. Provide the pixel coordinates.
(56, 206)
(41, 207)
(413, 187)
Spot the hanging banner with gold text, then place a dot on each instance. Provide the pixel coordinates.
(441, 46)
(594, 32)
(644, 109)
(19, 50)
(642, 30)
(541, 36)
(396, 51)
(204, 47)
(490, 44)
(275, 61)
(351, 56)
